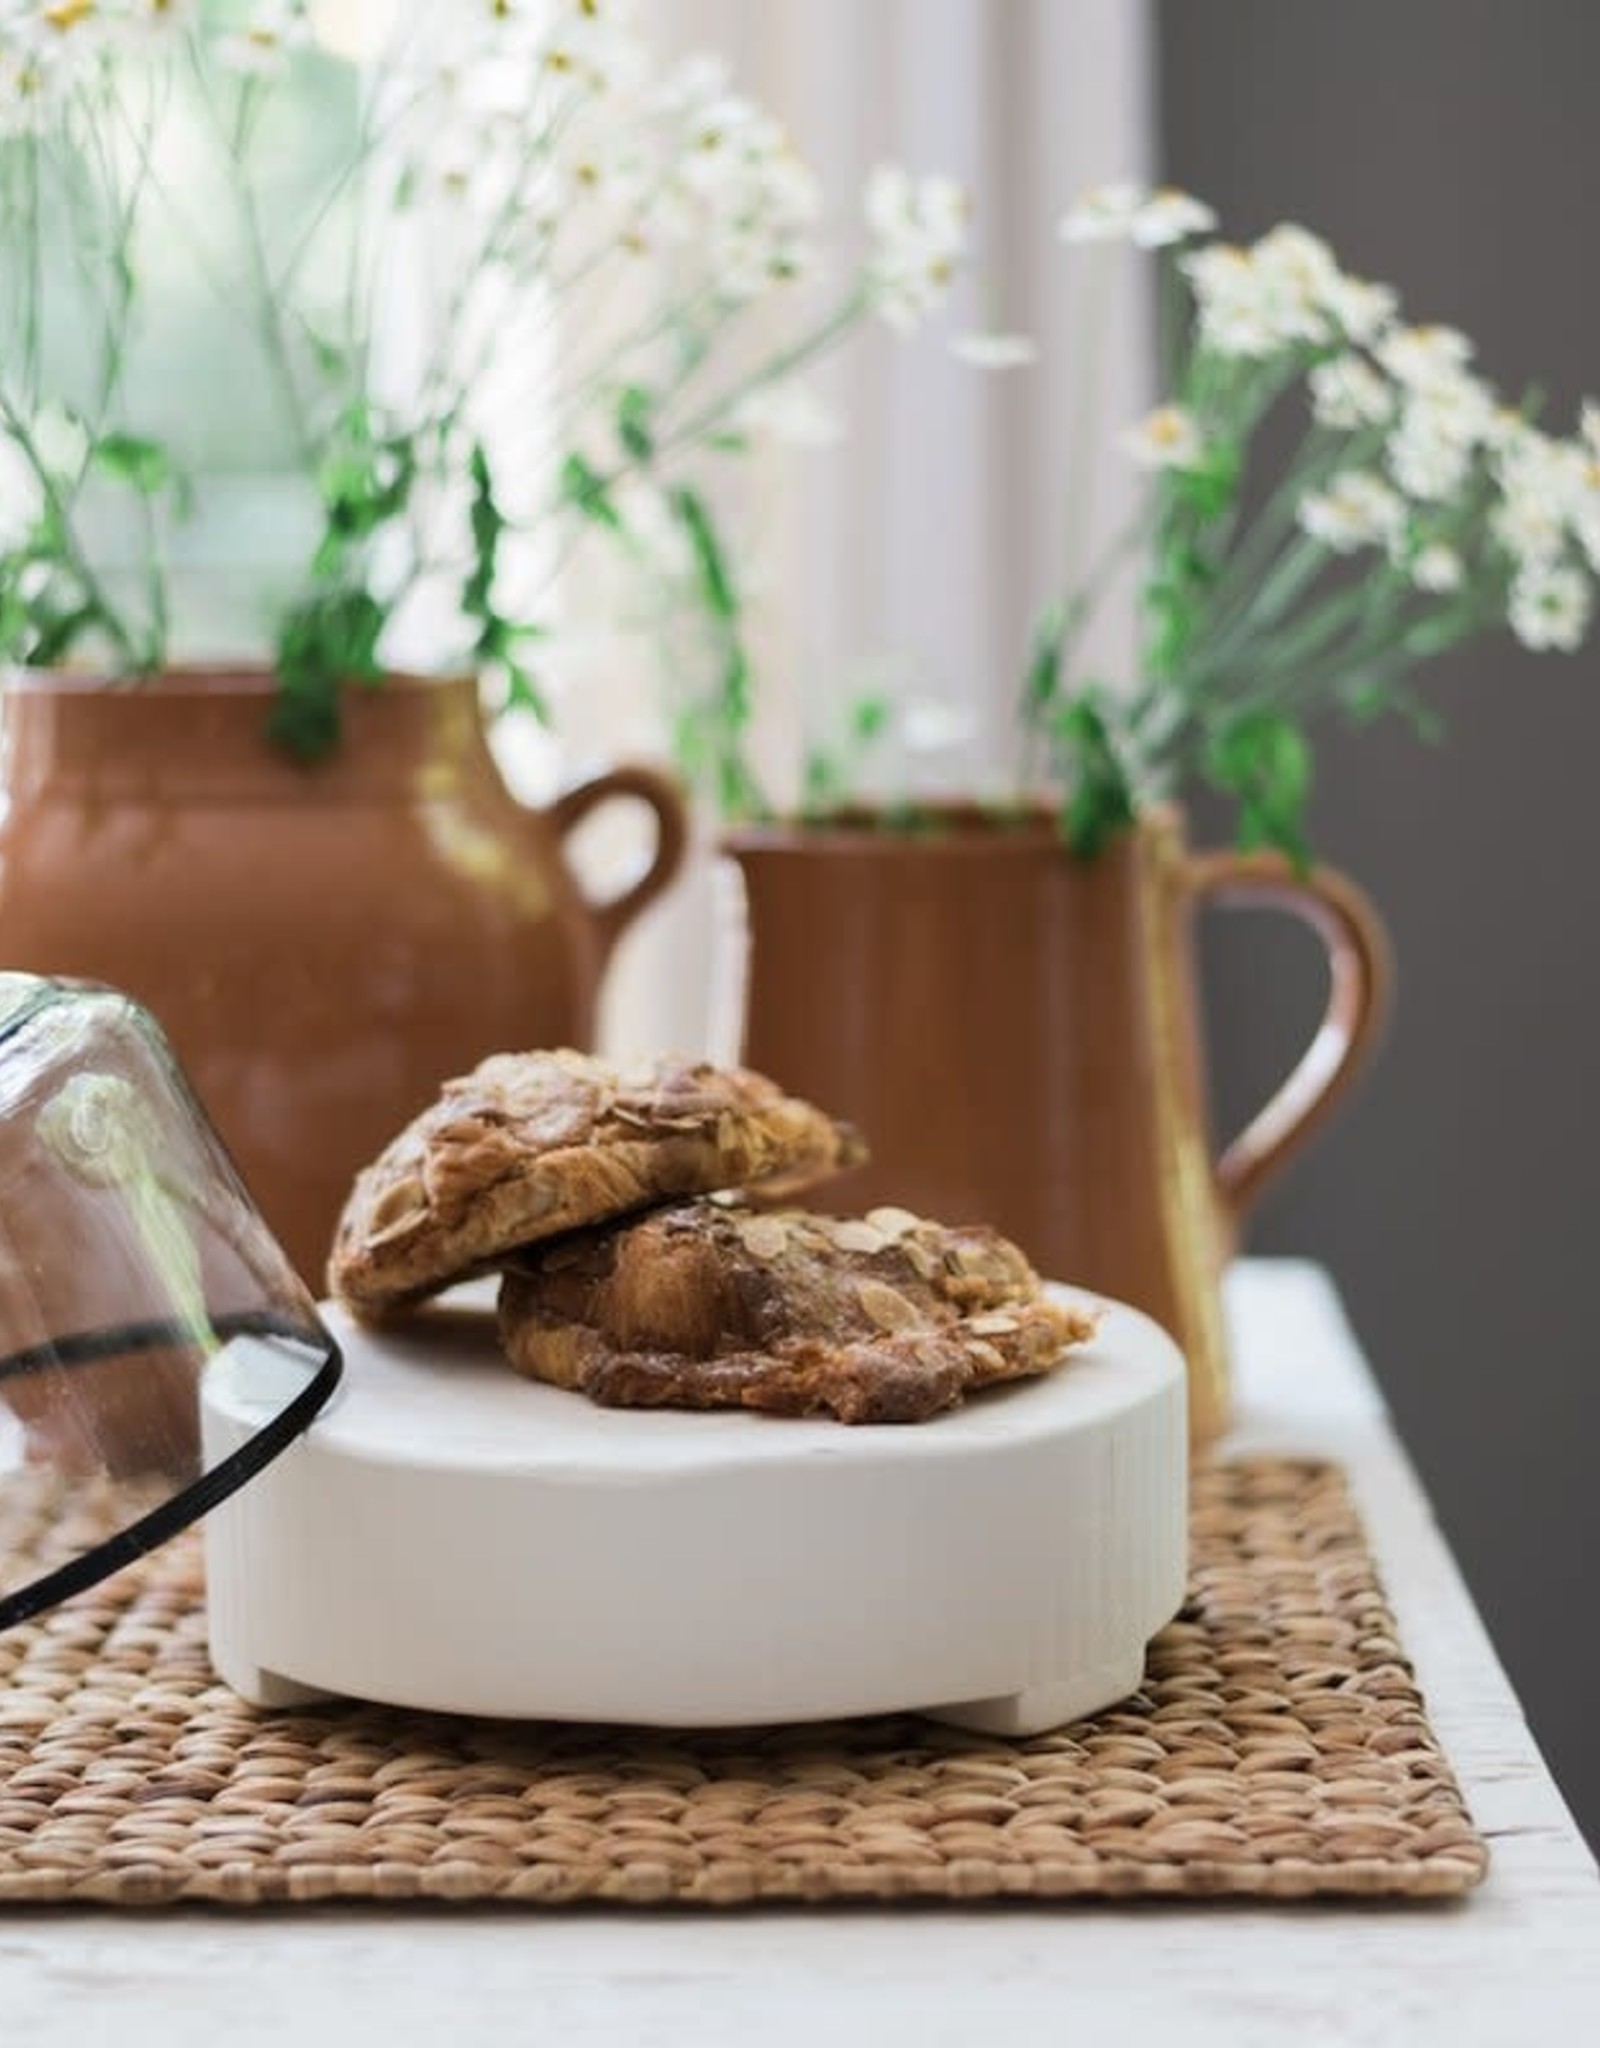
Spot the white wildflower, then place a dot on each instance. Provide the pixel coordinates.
(1536, 476)
(1357, 510)
(1441, 423)
(1422, 357)
(1360, 310)
(1426, 458)
(45, 53)
(594, 51)
(1583, 506)
(1529, 527)
(600, 163)
(1253, 304)
(738, 193)
(1436, 568)
(995, 351)
(1125, 212)
(1300, 264)
(1169, 216)
(1168, 438)
(1589, 426)
(1347, 392)
(1550, 607)
(920, 229)
(1106, 213)
(1228, 299)
(792, 414)
(269, 36)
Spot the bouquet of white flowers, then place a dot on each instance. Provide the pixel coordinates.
(642, 238)
(1412, 510)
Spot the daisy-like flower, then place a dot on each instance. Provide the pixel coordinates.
(1300, 266)
(1347, 392)
(45, 53)
(995, 351)
(262, 48)
(1254, 302)
(1536, 475)
(1169, 216)
(1357, 510)
(593, 49)
(1234, 320)
(1423, 357)
(1105, 213)
(919, 226)
(736, 191)
(1360, 310)
(1583, 496)
(1436, 569)
(1550, 607)
(1126, 212)
(1441, 423)
(1168, 438)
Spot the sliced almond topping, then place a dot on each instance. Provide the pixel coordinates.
(763, 1237)
(886, 1308)
(855, 1235)
(993, 1326)
(894, 1223)
(923, 1260)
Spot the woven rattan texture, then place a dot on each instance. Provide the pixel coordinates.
(1279, 1749)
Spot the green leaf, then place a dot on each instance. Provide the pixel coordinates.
(869, 718)
(329, 640)
(1100, 801)
(1264, 760)
(583, 487)
(716, 582)
(487, 525)
(133, 460)
(522, 690)
(634, 409)
(1043, 677)
(824, 784)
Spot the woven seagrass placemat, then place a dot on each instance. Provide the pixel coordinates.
(1279, 1749)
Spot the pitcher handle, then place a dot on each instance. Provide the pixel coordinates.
(661, 795)
(1359, 985)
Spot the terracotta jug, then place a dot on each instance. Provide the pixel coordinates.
(323, 946)
(1015, 1031)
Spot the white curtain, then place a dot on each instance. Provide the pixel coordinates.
(915, 554)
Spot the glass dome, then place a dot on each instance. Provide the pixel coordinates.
(133, 1265)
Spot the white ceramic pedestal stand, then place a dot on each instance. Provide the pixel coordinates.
(449, 1536)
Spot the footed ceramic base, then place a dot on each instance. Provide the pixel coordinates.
(448, 1536)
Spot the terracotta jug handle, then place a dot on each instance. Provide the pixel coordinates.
(1359, 978)
(661, 795)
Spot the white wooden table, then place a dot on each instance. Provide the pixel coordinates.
(1517, 1963)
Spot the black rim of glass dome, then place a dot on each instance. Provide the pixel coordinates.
(186, 1506)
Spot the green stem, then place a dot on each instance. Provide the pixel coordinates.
(71, 549)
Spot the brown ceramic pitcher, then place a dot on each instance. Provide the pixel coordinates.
(325, 945)
(1015, 1031)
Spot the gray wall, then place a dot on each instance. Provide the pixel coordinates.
(1452, 147)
